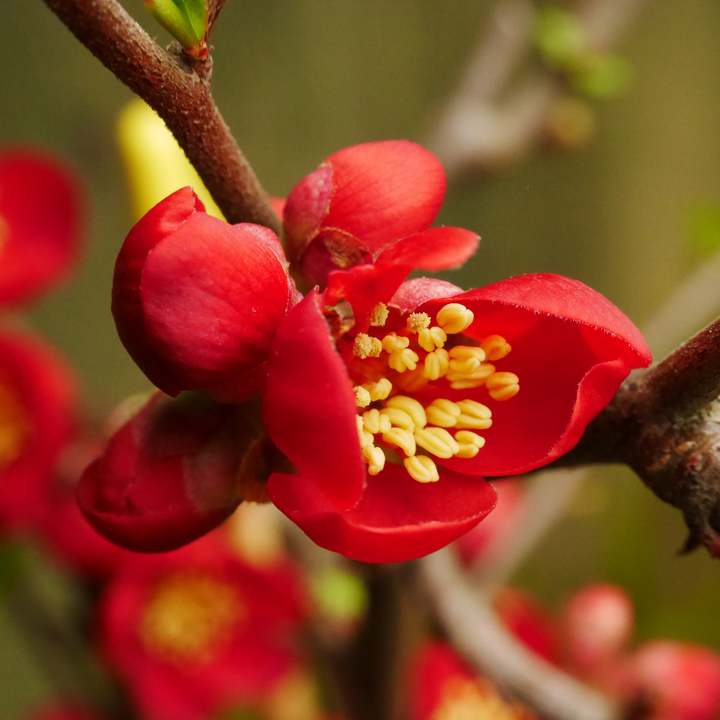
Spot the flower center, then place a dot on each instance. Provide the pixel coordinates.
(188, 617)
(398, 364)
(463, 699)
(14, 425)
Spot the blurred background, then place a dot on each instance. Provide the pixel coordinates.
(632, 212)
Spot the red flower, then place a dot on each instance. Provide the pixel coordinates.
(40, 224)
(363, 200)
(197, 631)
(169, 474)
(561, 344)
(196, 301)
(37, 418)
(442, 685)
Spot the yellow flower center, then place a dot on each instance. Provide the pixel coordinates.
(464, 699)
(390, 419)
(189, 616)
(14, 425)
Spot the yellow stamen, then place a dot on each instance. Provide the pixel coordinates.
(470, 443)
(503, 385)
(421, 468)
(432, 338)
(465, 367)
(443, 413)
(366, 346)
(362, 397)
(403, 439)
(403, 360)
(379, 315)
(398, 418)
(463, 352)
(417, 322)
(364, 436)
(411, 406)
(437, 441)
(495, 347)
(474, 415)
(436, 364)
(378, 390)
(374, 422)
(454, 318)
(393, 343)
(375, 458)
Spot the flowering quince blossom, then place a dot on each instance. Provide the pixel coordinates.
(196, 301)
(197, 632)
(40, 224)
(386, 410)
(37, 421)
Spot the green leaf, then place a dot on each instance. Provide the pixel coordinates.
(340, 595)
(560, 37)
(185, 20)
(602, 76)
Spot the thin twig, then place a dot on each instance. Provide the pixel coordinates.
(475, 631)
(179, 91)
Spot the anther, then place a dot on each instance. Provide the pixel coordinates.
(436, 364)
(431, 338)
(421, 468)
(495, 347)
(412, 380)
(503, 385)
(378, 390)
(362, 397)
(403, 360)
(366, 346)
(398, 418)
(403, 439)
(392, 343)
(417, 322)
(443, 413)
(470, 443)
(437, 441)
(364, 436)
(374, 422)
(474, 415)
(411, 406)
(463, 352)
(466, 366)
(454, 318)
(478, 375)
(375, 457)
(379, 315)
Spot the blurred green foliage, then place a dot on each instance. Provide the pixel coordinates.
(297, 81)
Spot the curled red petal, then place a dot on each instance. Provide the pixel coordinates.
(40, 224)
(309, 407)
(571, 349)
(168, 475)
(200, 310)
(397, 518)
(439, 248)
(384, 191)
(419, 290)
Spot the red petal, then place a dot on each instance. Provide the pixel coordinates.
(168, 476)
(439, 248)
(40, 224)
(384, 191)
(209, 300)
(570, 366)
(397, 519)
(309, 407)
(419, 290)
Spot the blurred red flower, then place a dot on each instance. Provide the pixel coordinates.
(40, 223)
(197, 631)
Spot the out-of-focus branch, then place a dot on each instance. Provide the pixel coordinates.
(494, 119)
(179, 91)
(475, 630)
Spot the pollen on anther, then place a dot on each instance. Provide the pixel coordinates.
(454, 318)
(362, 397)
(366, 346)
(418, 322)
(379, 315)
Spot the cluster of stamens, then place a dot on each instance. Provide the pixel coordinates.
(418, 356)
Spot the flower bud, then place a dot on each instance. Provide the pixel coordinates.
(185, 20)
